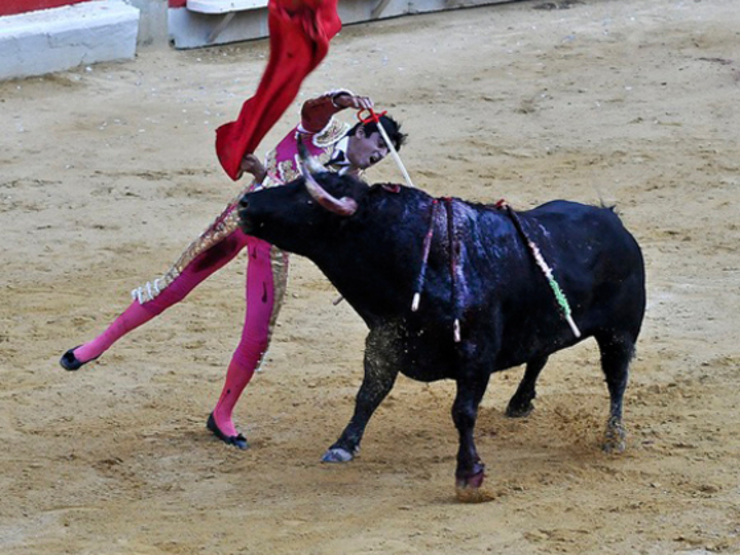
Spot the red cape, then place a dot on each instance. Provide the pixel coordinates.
(300, 31)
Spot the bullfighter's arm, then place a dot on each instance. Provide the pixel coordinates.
(316, 113)
(252, 165)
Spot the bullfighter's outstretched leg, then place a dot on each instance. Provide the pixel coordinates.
(381, 370)
(520, 404)
(470, 469)
(137, 314)
(264, 267)
(617, 351)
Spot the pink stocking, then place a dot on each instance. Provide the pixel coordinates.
(260, 294)
(205, 264)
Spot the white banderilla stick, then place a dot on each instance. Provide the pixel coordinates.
(393, 151)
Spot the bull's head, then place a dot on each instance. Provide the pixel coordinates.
(302, 213)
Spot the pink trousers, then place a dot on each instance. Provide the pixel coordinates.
(266, 275)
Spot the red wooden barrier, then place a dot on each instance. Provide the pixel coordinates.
(11, 7)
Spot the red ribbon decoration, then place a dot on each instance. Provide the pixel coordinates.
(372, 118)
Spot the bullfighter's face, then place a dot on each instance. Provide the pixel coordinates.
(365, 150)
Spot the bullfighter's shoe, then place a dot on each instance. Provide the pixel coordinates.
(70, 362)
(237, 441)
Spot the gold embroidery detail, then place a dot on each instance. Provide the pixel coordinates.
(287, 171)
(271, 168)
(279, 263)
(330, 134)
(226, 223)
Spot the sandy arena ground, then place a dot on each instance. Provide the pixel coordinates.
(107, 173)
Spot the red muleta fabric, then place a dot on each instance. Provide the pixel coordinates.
(300, 31)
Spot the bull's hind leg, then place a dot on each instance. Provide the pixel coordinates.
(520, 404)
(616, 353)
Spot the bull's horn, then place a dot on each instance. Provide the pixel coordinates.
(345, 206)
(308, 162)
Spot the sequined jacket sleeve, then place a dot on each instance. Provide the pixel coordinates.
(317, 113)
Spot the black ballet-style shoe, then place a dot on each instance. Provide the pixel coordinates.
(70, 362)
(238, 441)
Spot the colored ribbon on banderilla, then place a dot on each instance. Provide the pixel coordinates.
(546, 270)
(456, 281)
(456, 273)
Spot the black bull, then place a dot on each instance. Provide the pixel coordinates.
(369, 242)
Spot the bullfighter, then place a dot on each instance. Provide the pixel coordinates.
(342, 148)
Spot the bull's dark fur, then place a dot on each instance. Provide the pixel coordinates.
(508, 311)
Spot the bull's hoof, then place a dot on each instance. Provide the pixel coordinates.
(468, 490)
(238, 441)
(337, 455)
(614, 437)
(474, 481)
(519, 410)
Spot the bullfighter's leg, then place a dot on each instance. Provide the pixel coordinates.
(616, 353)
(266, 276)
(137, 314)
(381, 370)
(470, 390)
(520, 404)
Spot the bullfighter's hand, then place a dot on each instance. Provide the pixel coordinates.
(251, 164)
(346, 100)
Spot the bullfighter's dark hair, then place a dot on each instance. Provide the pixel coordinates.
(391, 126)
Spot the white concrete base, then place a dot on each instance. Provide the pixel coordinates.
(188, 29)
(191, 29)
(45, 41)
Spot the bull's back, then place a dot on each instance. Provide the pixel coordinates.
(596, 257)
(596, 263)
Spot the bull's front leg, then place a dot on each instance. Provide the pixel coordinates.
(381, 369)
(470, 469)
